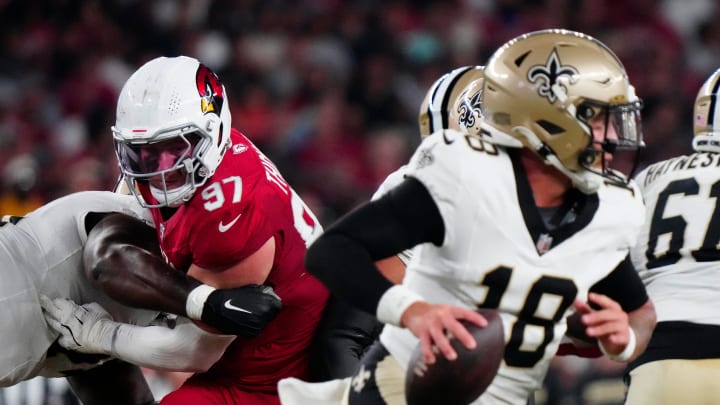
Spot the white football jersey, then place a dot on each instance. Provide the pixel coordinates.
(677, 253)
(42, 254)
(497, 253)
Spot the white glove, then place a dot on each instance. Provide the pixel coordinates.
(87, 328)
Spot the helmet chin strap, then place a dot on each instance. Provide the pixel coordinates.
(587, 182)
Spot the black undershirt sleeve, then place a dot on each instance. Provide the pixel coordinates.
(344, 256)
(92, 219)
(623, 285)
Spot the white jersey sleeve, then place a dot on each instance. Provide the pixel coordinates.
(181, 346)
(391, 181)
(432, 164)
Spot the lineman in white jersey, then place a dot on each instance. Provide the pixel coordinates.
(532, 224)
(43, 271)
(42, 255)
(677, 256)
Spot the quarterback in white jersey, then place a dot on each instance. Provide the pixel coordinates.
(502, 256)
(677, 257)
(526, 217)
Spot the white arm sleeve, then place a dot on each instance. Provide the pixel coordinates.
(185, 347)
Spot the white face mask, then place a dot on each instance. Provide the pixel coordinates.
(174, 197)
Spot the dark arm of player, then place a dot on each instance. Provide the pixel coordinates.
(343, 257)
(122, 258)
(624, 286)
(113, 383)
(343, 335)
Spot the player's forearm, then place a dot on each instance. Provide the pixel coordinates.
(393, 268)
(138, 278)
(642, 320)
(183, 348)
(343, 258)
(122, 258)
(359, 282)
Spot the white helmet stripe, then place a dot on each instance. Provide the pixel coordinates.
(451, 81)
(438, 106)
(713, 103)
(432, 114)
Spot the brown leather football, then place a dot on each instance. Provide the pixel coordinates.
(461, 381)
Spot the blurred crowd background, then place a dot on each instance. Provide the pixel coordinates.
(328, 89)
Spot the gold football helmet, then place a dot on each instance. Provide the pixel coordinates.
(443, 106)
(706, 115)
(544, 90)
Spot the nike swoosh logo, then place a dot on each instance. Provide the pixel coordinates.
(229, 305)
(224, 227)
(445, 138)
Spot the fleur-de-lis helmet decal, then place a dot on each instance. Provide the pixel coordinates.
(541, 91)
(552, 77)
(470, 109)
(441, 107)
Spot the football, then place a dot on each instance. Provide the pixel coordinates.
(461, 381)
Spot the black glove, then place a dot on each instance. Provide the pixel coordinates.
(243, 311)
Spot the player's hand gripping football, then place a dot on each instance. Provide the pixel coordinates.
(243, 311)
(433, 324)
(86, 328)
(609, 324)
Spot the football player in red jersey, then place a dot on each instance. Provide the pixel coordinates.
(224, 215)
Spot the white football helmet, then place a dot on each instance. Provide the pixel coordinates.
(544, 90)
(172, 128)
(445, 106)
(706, 122)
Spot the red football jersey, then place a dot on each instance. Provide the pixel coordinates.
(241, 206)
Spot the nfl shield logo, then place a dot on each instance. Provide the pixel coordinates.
(544, 243)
